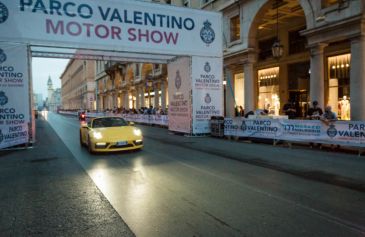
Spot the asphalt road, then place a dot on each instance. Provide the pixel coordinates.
(171, 190)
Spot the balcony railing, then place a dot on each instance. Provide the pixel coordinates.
(124, 84)
(137, 79)
(157, 71)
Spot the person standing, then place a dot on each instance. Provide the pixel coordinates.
(328, 115)
(315, 112)
(289, 110)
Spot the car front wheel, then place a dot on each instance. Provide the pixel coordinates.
(89, 146)
(81, 142)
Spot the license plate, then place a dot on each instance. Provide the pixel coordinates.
(122, 143)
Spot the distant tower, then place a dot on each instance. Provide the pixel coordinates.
(50, 88)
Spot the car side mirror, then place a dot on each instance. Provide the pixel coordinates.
(131, 123)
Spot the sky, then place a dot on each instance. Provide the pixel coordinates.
(42, 68)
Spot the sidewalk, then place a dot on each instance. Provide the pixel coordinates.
(336, 168)
(45, 192)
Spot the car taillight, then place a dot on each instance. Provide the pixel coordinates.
(83, 116)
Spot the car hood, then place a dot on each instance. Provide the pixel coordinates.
(118, 133)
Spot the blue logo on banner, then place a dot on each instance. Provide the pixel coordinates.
(207, 99)
(243, 126)
(4, 13)
(207, 67)
(207, 33)
(177, 80)
(332, 131)
(3, 98)
(2, 56)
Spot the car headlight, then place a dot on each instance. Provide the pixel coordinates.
(97, 135)
(137, 132)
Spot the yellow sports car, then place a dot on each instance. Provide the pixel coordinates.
(106, 134)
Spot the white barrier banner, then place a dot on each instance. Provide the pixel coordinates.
(14, 95)
(261, 128)
(301, 130)
(147, 119)
(180, 95)
(207, 86)
(127, 25)
(350, 133)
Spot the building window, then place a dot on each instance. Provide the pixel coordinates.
(328, 3)
(297, 43)
(203, 2)
(235, 28)
(265, 48)
(137, 69)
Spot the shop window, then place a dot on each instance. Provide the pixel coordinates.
(235, 28)
(339, 85)
(298, 85)
(268, 81)
(328, 3)
(265, 48)
(297, 43)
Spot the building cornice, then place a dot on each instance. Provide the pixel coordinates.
(335, 31)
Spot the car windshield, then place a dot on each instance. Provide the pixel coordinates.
(109, 122)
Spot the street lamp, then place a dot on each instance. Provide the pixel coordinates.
(277, 48)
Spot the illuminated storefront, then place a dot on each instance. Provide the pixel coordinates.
(339, 85)
(238, 89)
(268, 83)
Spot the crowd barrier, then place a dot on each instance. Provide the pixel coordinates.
(347, 133)
(161, 120)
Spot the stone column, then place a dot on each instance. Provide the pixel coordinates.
(249, 80)
(115, 100)
(250, 88)
(229, 88)
(138, 100)
(143, 103)
(157, 95)
(357, 79)
(163, 95)
(316, 88)
(126, 99)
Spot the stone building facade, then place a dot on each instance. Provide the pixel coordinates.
(130, 85)
(322, 55)
(319, 56)
(78, 85)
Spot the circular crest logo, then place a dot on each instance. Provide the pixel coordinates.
(3, 98)
(243, 126)
(178, 80)
(207, 67)
(207, 33)
(207, 99)
(332, 131)
(2, 56)
(4, 13)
